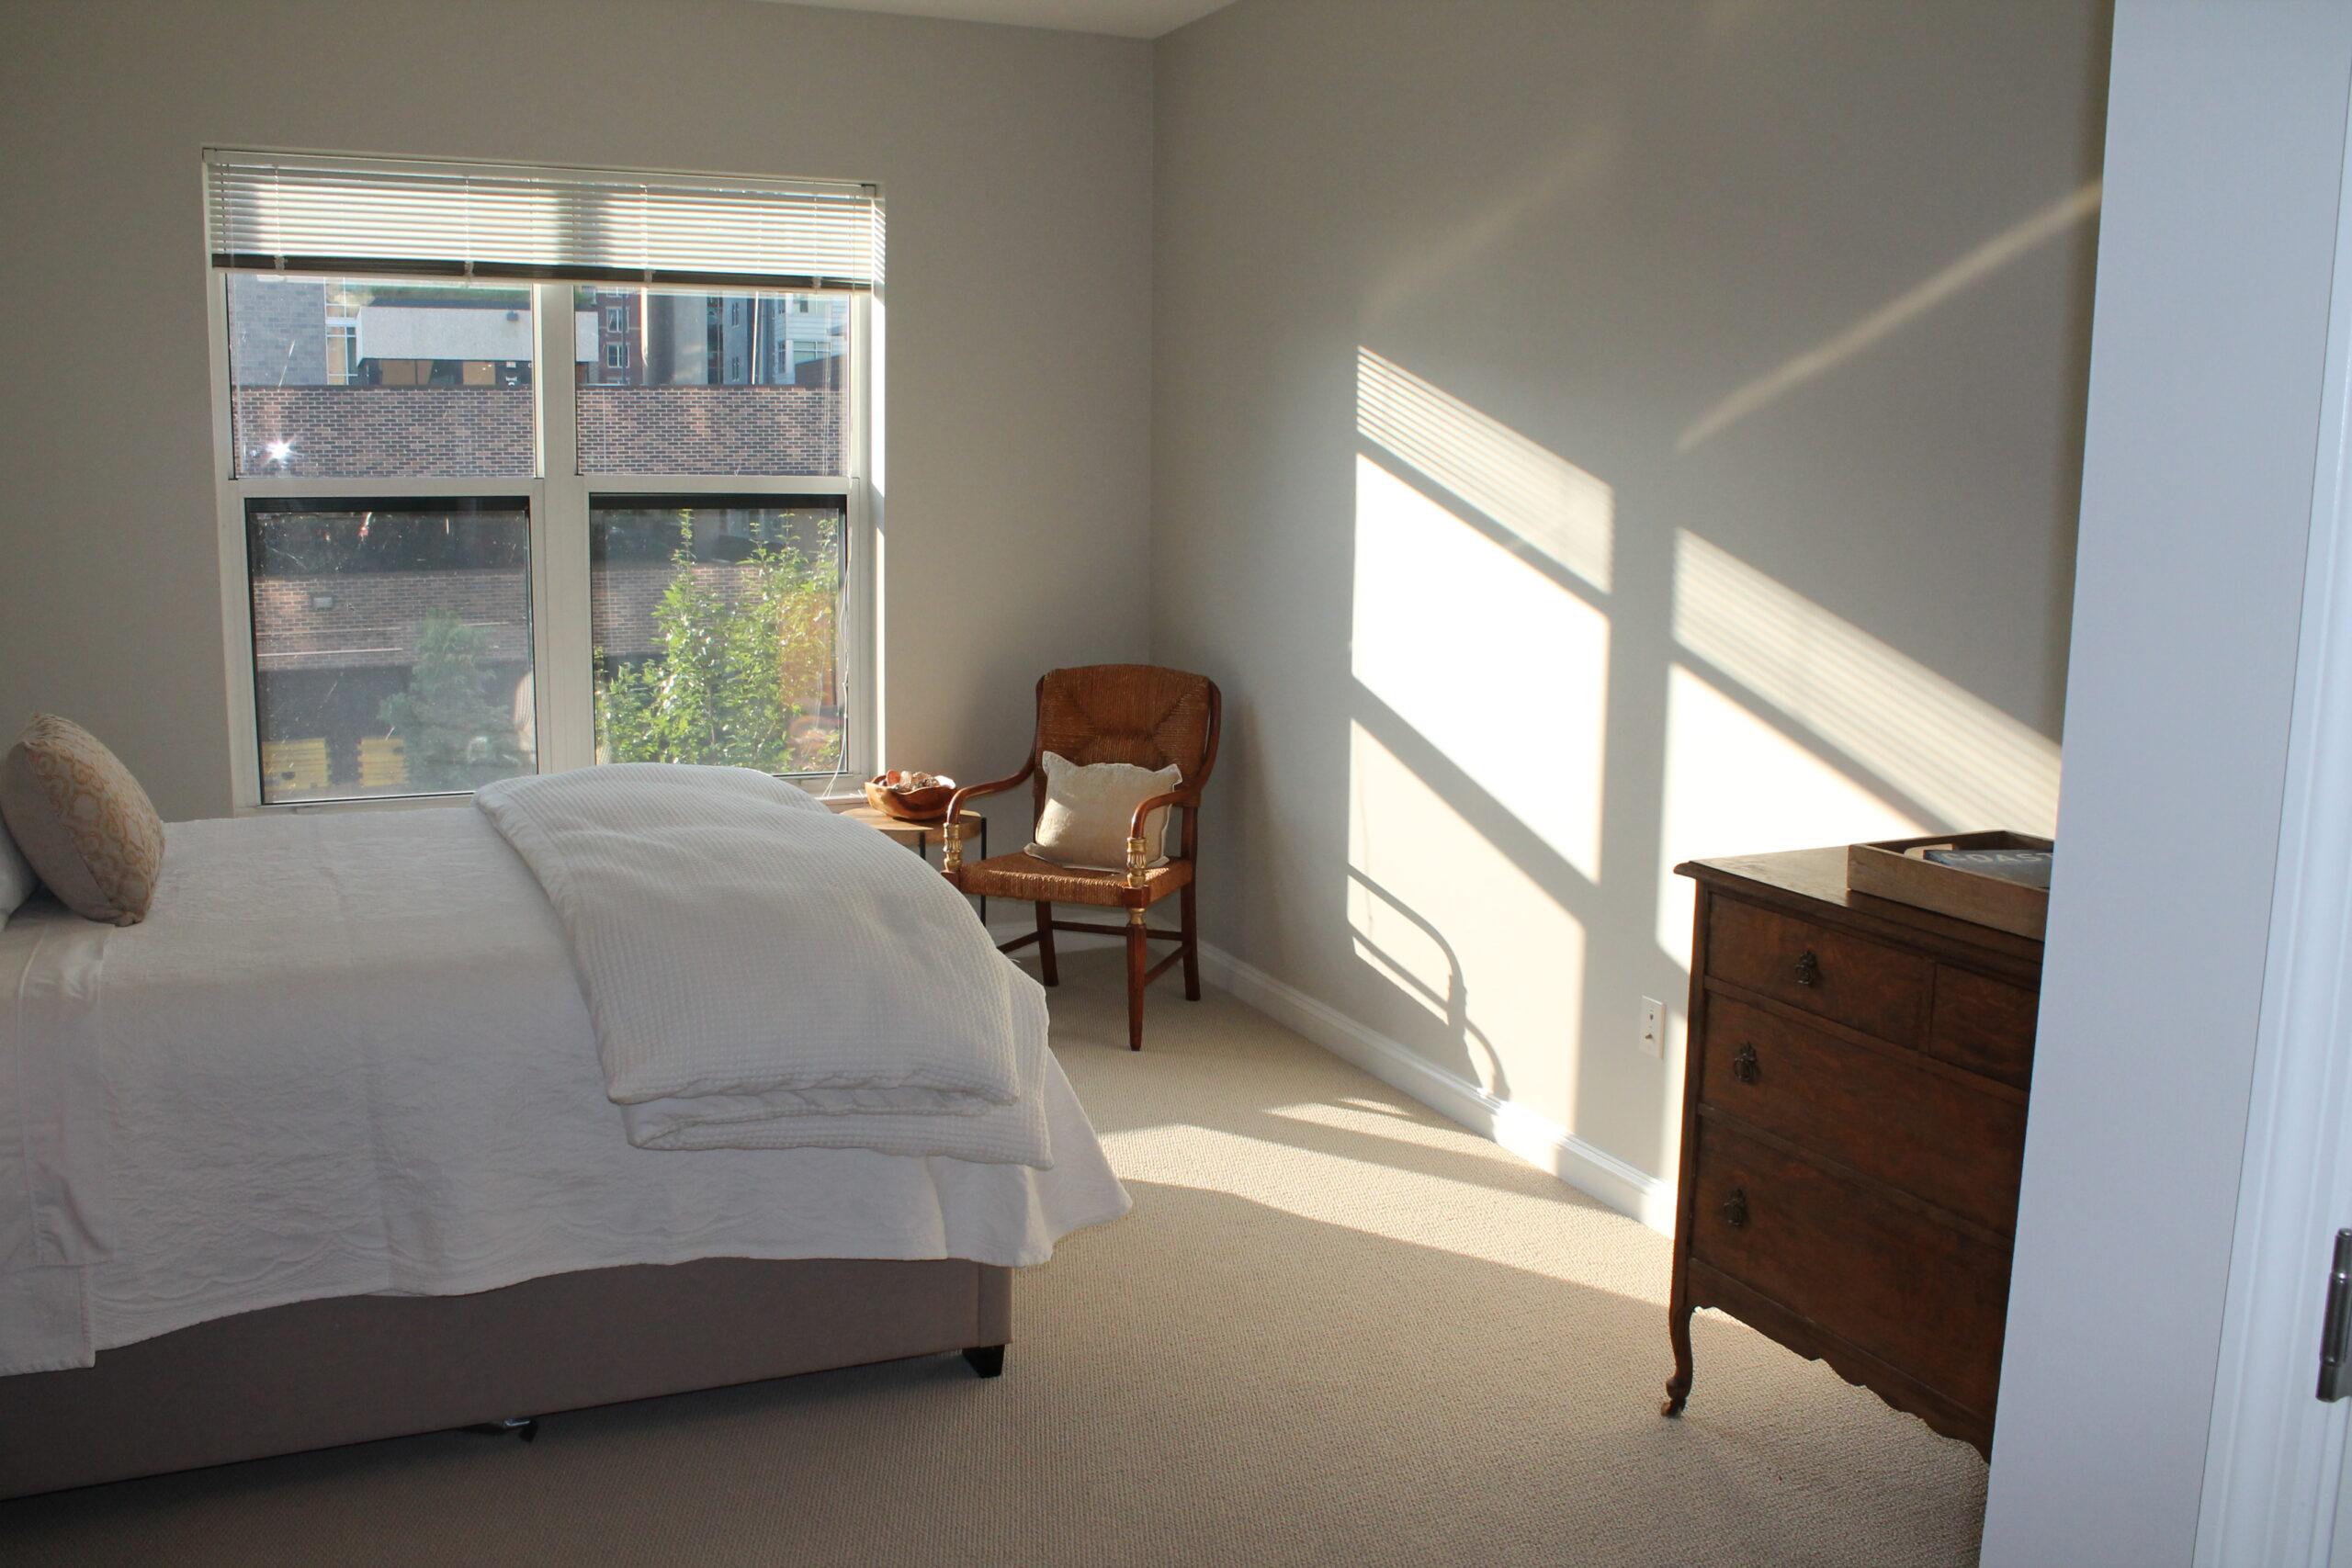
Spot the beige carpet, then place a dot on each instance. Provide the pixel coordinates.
(1335, 1329)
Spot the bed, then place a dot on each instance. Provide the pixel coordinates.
(322, 1153)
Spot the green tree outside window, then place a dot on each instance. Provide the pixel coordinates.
(742, 652)
(455, 731)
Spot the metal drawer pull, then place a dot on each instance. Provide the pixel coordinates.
(1743, 1065)
(1808, 968)
(1735, 1209)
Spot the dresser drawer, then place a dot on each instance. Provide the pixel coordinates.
(1867, 985)
(1915, 1294)
(1900, 1120)
(1984, 1025)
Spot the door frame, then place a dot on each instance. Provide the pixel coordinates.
(2274, 1450)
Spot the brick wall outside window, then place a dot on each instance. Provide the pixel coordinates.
(386, 432)
(425, 432)
(372, 617)
(710, 429)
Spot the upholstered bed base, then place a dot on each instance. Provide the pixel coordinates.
(317, 1374)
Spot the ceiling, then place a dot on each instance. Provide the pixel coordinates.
(1129, 18)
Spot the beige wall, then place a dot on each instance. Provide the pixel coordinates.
(1017, 166)
(1591, 437)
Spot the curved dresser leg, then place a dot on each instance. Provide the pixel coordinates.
(1678, 1330)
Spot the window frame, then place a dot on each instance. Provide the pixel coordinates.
(562, 654)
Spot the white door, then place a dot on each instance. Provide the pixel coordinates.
(2339, 1553)
(2276, 1487)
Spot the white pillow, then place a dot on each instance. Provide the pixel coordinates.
(17, 878)
(1089, 810)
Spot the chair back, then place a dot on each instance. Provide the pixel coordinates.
(1129, 713)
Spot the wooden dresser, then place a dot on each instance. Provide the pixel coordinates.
(1853, 1122)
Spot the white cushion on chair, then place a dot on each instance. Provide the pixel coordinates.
(1089, 808)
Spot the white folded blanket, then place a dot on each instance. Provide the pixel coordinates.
(764, 973)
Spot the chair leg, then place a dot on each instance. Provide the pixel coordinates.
(1192, 943)
(1052, 976)
(1134, 979)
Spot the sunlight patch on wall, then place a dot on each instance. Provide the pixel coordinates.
(1961, 759)
(1535, 495)
(1465, 931)
(1494, 664)
(1734, 784)
(1460, 241)
(1989, 257)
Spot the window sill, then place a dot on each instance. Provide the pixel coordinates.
(836, 802)
(354, 803)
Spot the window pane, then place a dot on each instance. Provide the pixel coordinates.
(391, 645)
(683, 383)
(717, 622)
(370, 379)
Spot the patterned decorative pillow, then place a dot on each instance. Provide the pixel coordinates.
(82, 821)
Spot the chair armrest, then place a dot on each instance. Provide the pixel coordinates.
(1188, 798)
(951, 847)
(974, 791)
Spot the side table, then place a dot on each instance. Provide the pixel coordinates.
(920, 836)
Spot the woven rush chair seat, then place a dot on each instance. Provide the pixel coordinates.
(1027, 878)
(1138, 713)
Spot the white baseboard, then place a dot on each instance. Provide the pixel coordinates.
(1533, 1137)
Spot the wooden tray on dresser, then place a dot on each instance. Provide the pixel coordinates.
(1896, 869)
(1853, 1124)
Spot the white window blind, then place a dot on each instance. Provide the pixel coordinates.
(282, 212)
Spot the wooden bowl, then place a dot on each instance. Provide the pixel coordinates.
(927, 805)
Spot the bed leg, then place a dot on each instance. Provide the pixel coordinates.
(985, 1361)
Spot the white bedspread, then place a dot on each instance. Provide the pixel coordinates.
(348, 1054)
(764, 973)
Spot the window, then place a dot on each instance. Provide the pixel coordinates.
(684, 411)
(450, 567)
(343, 348)
(296, 410)
(714, 619)
(391, 645)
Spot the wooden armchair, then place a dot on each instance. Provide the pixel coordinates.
(1109, 713)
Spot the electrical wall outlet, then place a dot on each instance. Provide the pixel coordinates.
(1653, 1027)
